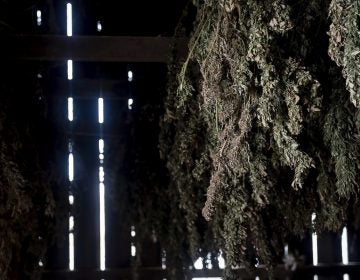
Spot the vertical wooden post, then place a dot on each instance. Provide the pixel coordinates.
(86, 189)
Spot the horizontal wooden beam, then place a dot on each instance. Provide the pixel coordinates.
(91, 48)
(89, 88)
(302, 272)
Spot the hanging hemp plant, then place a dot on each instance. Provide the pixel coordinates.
(344, 46)
(29, 182)
(261, 116)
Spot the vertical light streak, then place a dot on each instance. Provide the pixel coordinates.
(70, 109)
(70, 69)
(102, 225)
(38, 18)
(71, 199)
(314, 245)
(221, 260)
(133, 247)
(344, 246)
(101, 109)
(130, 103)
(98, 26)
(286, 250)
(163, 260)
(208, 263)
(314, 242)
(71, 251)
(71, 167)
(69, 27)
(345, 251)
(101, 174)
(133, 250)
(71, 157)
(71, 223)
(130, 76)
(132, 231)
(101, 187)
(101, 146)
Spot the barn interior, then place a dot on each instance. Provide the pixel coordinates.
(87, 175)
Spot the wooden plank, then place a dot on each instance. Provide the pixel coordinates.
(90, 88)
(86, 203)
(90, 48)
(157, 273)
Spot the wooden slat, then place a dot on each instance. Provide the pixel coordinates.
(304, 272)
(86, 204)
(90, 88)
(90, 48)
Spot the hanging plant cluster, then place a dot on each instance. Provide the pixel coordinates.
(264, 115)
(27, 174)
(158, 206)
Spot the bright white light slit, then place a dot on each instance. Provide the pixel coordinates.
(41, 264)
(133, 250)
(70, 109)
(208, 263)
(130, 103)
(102, 225)
(71, 167)
(101, 109)
(70, 147)
(206, 278)
(71, 223)
(38, 18)
(257, 278)
(221, 261)
(70, 69)
(133, 232)
(344, 246)
(163, 263)
(198, 264)
(98, 26)
(130, 76)
(163, 260)
(71, 157)
(71, 252)
(314, 242)
(101, 174)
(314, 245)
(101, 146)
(345, 251)
(286, 250)
(69, 20)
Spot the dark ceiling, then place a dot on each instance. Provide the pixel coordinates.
(118, 17)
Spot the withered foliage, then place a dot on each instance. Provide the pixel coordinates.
(344, 43)
(27, 173)
(263, 114)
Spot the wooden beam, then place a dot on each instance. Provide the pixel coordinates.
(90, 48)
(302, 272)
(89, 88)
